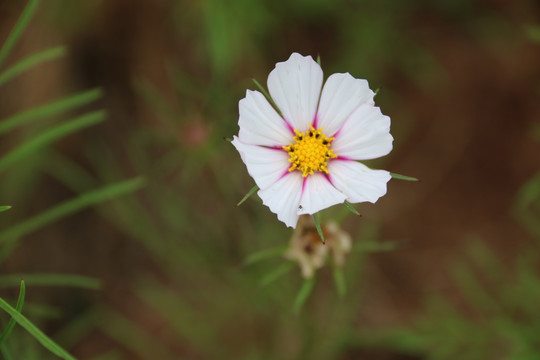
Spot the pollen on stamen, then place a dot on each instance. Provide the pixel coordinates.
(310, 152)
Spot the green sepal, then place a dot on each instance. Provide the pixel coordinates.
(228, 139)
(351, 208)
(247, 196)
(319, 60)
(4, 208)
(318, 226)
(403, 177)
(266, 95)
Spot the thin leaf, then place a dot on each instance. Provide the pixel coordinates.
(42, 311)
(267, 95)
(4, 208)
(50, 136)
(351, 208)
(248, 195)
(30, 62)
(403, 177)
(265, 254)
(275, 274)
(71, 206)
(303, 294)
(318, 226)
(35, 332)
(5, 352)
(50, 109)
(339, 279)
(17, 30)
(51, 280)
(18, 307)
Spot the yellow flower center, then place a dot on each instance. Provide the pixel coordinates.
(310, 152)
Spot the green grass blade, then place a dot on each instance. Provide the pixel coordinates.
(64, 280)
(71, 206)
(35, 332)
(403, 177)
(50, 136)
(303, 294)
(30, 62)
(265, 254)
(42, 311)
(339, 279)
(318, 226)
(4, 208)
(5, 352)
(248, 195)
(47, 110)
(275, 274)
(17, 30)
(18, 307)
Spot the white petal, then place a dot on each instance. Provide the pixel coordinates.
(295, 86)
(283, 197)
(364, 135)
(260, 124)
(318, 194)
(357, 181)
(341, 95)
(264, 165)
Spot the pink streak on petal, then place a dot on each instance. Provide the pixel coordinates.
(315, 121)
(303, 185)
(337, 132)
(277, 148)
(285, 173)
(289, 126)
(328, 178)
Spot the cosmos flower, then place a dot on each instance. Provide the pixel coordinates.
(305, 158)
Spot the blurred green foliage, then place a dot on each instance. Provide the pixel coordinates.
(30, 146)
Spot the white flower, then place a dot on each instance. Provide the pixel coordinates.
(307, 160)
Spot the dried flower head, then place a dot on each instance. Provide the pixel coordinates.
(311, 254)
